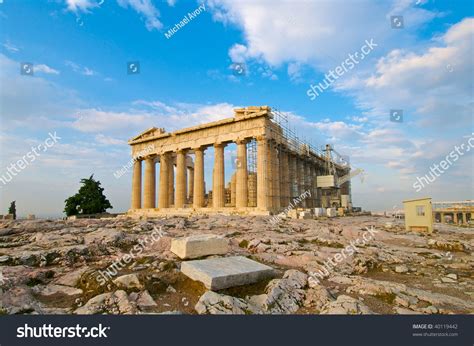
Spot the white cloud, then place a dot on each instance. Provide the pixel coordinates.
(31, 101)
(238, 53)
(147, 10)
(319, 33)
(84, 70)
(44, 69)
(88, 72)
(432, 85)
(107, 140)
(81, 5)
(10, 47)
(143, 7)
(146, 114)
(294, 71)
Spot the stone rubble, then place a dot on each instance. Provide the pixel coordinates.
(52, 267)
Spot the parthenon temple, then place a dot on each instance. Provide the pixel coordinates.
(272, 168)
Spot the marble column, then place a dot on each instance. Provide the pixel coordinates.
(299, 176)
(314, 190)
(218, 178)
(276, 175)
(233, 186)
(464, 219)
(241, 182)
(198, 193)
(190, 172)
(284, 181)
(262, 174)
(149, 188)
(171, 181)
(293, 164)
(307, 179)
(137, 185)
(163, 198)
(180, 198)
(270, 170)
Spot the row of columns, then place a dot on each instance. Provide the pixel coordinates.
(281, 176)
(464, 220)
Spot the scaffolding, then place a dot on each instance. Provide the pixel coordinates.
(252, 172)
(330, 159)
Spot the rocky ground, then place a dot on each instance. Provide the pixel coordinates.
(51, 267)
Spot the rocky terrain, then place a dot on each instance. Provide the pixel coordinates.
(52, 266)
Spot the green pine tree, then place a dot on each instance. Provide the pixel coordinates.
(12, 209)
(89, 200)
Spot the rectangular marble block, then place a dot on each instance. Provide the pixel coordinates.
(199, 245)
(220, 273)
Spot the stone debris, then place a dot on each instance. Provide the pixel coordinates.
(52, 266)
(345, 305)
(283, 296)
(401, 269)
(219, 304)
(145, 300)
(110, 303)
(128, 281)
(53, 289)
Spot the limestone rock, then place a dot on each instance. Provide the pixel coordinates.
(72, 278)
(219, 304)
(128, 281)
(19, 300)
(401, 269)
(52, 289)
(283, 296)
(317, 297)
(104, 236)
(145, 300)
(112, 302)
(345, 305)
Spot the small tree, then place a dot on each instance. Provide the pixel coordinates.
(89, 200)
(12, 209)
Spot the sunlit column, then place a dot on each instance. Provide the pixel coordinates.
(218, 178)
(137, 185)
(241, 189)
(149, 188)
(163, 198)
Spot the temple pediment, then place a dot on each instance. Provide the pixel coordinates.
(151, 132)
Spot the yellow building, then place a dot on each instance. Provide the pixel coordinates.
(418, 214)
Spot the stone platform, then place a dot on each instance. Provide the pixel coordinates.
(220, 273)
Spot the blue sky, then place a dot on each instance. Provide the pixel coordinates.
(81, 89)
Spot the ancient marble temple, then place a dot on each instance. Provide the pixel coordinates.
(270, 170)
